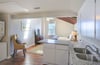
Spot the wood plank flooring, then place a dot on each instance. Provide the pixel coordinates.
(19, 59)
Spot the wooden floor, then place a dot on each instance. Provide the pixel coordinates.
(30, 59)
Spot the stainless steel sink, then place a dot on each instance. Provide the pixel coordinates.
(82, 50)
(87, 57)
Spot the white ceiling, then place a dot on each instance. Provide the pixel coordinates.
(27, 6)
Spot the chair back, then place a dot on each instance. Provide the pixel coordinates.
(14, 41)
(17, 46)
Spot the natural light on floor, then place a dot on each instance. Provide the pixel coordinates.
(39, 51)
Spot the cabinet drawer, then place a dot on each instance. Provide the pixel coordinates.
(62, 47)
(49, 45)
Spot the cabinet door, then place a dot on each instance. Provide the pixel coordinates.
(98, 19)
(49, 56)
(3, 51)
(49, 53)
(61, 57)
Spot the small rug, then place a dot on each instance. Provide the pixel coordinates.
(37, 50)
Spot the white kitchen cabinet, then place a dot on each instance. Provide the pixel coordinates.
(55, 54)
(3, 50)
(61, 55)
(49, 54)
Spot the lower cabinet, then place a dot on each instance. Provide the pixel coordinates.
(61, 57)
(3, 50)
(55, 54)
(49, 56)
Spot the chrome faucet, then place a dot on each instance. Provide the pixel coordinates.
(97, 49)
(89, 47)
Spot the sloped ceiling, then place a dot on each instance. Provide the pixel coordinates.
(71, 20)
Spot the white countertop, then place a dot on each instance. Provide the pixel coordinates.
(50, 41)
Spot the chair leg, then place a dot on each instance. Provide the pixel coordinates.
(24, 50)
(15, 51)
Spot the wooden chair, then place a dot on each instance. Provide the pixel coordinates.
(17, 46)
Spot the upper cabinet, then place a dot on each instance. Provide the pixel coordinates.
(87, 19)
(98, 19)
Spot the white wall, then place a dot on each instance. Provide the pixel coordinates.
(63, 28)
(84, 13)
(45, 14)
(44, 27)
(15, 28)
(75, 26)
(6, 18)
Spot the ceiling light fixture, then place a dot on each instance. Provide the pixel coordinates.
(26, 10)
(37, 8)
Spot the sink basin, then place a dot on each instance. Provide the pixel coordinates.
(87, 57)
(82, 50)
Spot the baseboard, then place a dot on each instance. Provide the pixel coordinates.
(8, 57)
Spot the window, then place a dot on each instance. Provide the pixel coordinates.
(26, 25)
(51, 27)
